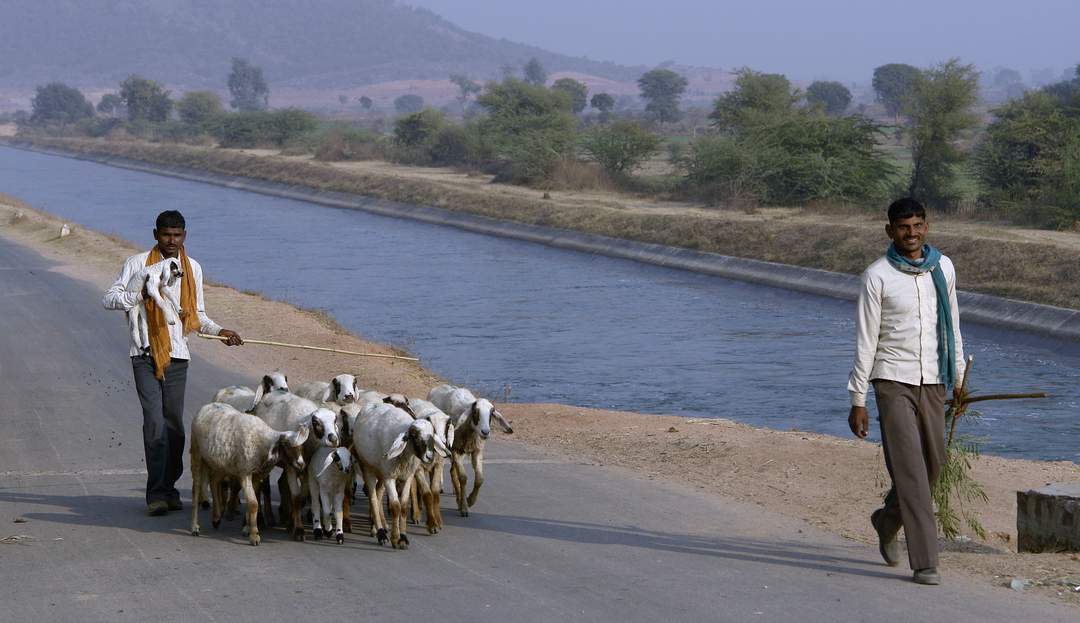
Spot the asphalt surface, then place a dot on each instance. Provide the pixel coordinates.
(549, 539)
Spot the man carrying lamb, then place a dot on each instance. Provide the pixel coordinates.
(908, 345)
(159, 351)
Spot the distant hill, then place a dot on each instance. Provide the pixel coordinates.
(300, 44)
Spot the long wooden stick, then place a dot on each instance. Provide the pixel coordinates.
(319, 348)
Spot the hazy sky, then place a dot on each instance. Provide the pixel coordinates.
(806, 39)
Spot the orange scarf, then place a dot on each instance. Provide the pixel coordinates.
(157, 328)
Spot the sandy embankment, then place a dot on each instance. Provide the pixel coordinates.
(832, 483)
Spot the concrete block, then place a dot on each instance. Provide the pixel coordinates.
(1048, 519)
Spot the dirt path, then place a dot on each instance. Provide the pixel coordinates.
(829, 482)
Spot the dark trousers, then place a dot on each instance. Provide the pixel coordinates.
(913, 435)
(163, 425)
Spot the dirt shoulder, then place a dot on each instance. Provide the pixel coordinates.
(829, 482)
(831, 239)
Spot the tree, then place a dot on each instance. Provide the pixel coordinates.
(832, 97)
(466, 87)
(892, 84)
(757, 97)
(602, 102)
(576, 91)
(111, 105)
(145, 99)
(535, 74)
(366, 103)
(940, 110)
(408, 103)
(529, 126)
(247, 87)
(198, 106)
(620, 147)
(662, 89)
(56, 102)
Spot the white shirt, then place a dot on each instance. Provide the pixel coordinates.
(896, 328)
(119, 297)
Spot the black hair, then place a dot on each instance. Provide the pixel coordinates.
(905, 208)
(170, 218)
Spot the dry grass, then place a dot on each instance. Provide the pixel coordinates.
(571, 174)
(1050, 275)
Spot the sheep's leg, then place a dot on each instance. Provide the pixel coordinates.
(398, 540)
(414, 503)
(252, 502)
(478, 475)
(374, 509)
(436, 490)
(422, 487)
(346, 510)
(233, 506)
(295, 502)
(339, 505)
(266, 505)
(316, 512)
(284, 497)
(459, 480)
(217, 501)
(196, 487)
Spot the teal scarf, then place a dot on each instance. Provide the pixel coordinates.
(945, 329)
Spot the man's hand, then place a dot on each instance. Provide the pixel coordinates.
(859, 421)
(234, 338)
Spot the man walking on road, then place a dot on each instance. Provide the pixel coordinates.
(159, 355)
(908, 345)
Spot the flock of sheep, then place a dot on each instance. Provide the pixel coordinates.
(324, 436)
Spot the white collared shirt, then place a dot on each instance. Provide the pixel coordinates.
(119, 297)
(896, 328)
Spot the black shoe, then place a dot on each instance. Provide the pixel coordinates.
(887, 545)
(157, 508)
(175, 505)
(928, 576)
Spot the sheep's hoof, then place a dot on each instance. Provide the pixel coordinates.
(432, 529)
(317, 534)
(381, 536)
(298, 533)
(215, 523)
(204, 504)
(195, 532)
(255, 539)
(403, 542)
(340, 538)
(464, 512)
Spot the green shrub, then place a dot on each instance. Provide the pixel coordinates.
(719, 169)
(455, 145)
(418, 129)
(620, 147)
(345, 143)
(251, 129)
(528, 127)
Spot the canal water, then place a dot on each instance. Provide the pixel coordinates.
(553, 325)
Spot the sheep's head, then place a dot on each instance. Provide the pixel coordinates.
(342, 459)
(343, 389)
(172, 272)
(289, 448)
(482, 413)
(275, 381)
(401, 402)
(324, 427)
(422, 440)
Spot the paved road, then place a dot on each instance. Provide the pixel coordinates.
(549, 539)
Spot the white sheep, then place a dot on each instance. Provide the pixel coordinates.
(286, 411)
(340, 390)
(328, 475)
(228, 443)
(472, 421)
(157, 280)
(244, 398)
(390, 445)
(429, 478)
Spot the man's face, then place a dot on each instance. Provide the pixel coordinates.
(169, 240)
(908, 234)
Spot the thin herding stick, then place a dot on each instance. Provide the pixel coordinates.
(304, 347)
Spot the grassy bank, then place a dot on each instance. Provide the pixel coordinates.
(992, 259)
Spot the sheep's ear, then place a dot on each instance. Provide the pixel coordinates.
(301, 435)
(502, 422)
(336, 457)
(335, 393)
(258, 394)
(475, 412)
(450, 434)
(396, 448)
(439, 447)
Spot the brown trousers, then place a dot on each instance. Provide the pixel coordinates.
(912, 421)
